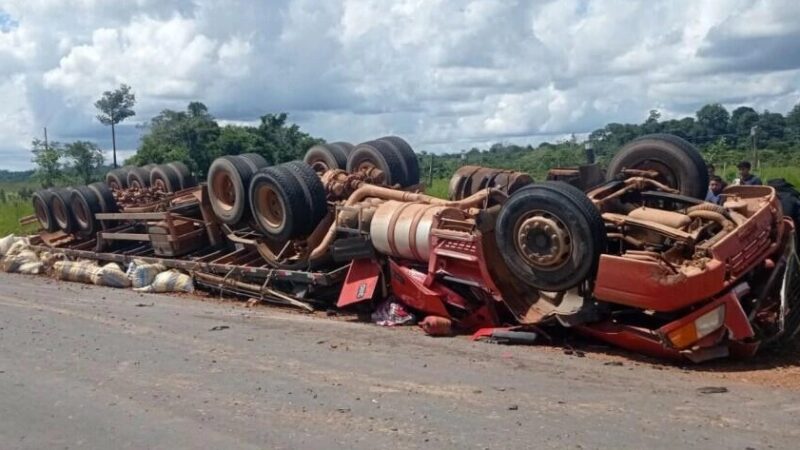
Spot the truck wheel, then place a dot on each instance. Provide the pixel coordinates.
(185, 177)
(313, 189)
(278, 204)
(62, 211)
(164, 178)
(118, 178)
(408, 159)
(85, 203)
(377, 155)
(323, 157)
(228, 186)
(138, 177)
(678, 163)
(105, 196)
(43, 207)
(550, 235)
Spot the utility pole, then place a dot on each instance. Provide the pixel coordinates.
(45, 140)
(753, 133)
(430, 172)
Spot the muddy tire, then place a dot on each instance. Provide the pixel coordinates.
(105, 197)
(322, 157)
(138, 177)
(84, 204)
(229, 184)
(408, 159)
(677, 162)
(43, 208)
(550, 236)
(313, 190)
(62, 211)
(118, 178)
(379, 155)
(185, 177)
(165, 178)
(278, 204)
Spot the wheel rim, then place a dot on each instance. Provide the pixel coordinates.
(371, 171)
(543, 240)
(223, 188)
(319, 166)
(160, 184)
(271, 208)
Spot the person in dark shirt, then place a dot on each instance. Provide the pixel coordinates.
(745, 177)
(715, 187)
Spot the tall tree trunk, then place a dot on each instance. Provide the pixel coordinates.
(114, 144)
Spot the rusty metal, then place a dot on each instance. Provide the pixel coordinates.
(469, 180)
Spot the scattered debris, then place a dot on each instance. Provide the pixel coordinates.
(219, 328)
(392, 313)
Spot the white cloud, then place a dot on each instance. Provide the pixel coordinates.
(446, 74)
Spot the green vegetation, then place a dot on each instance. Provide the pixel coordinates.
(769, 140)
(114, 107)
(194, 137)
(12, 208)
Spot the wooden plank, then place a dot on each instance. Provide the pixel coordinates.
(125, 236)
(131, 216)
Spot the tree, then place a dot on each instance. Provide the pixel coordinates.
(742, 120)
(115, 106)
(235, 140)
(2, 195)
(793, 123)
(186, 136)
(47, 158)
(714, 118)
(86, 159)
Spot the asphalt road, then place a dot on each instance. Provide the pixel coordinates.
(89, 367)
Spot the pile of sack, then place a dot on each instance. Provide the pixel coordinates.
(16, 256)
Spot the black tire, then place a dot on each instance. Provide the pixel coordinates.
(346, 147)
(278, 204)
(43, 207)
(62, 211)
(105, 196)
(312, 188)
(185, 177)
(578, 219)
(85, 203)
(228, 187)
(254, 160)
(324, 157)
(165, 178)
(138, 177)
(407, 156)
(118, 178)
(380, 155)
(677, 161)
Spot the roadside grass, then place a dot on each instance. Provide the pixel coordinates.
(10, 213)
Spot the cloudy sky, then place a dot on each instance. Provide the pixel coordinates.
(445, 74)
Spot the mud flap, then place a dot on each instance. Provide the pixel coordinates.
(360, 283)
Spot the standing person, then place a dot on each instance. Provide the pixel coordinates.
(712, 171)
(715, 187)
(745, 177)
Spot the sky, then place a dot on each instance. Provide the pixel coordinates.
(444, 74)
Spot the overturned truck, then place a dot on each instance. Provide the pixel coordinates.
(631, 256)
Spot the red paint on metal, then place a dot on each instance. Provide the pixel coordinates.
(360, 283)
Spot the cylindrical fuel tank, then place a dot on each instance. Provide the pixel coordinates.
(403, 229)
(469, 180)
